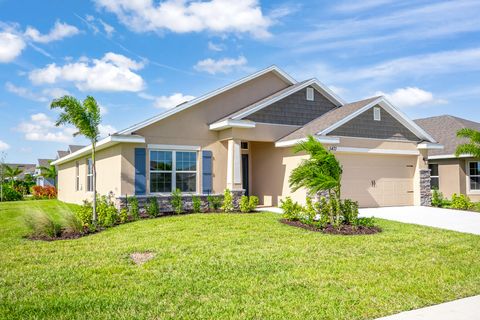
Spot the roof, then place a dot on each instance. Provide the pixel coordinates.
(27, 168)
(44, 162)
(74, 147)
(328, 119)
(62, 153)
(444, 129)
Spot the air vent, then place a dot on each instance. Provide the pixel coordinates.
(376, 114)
(310, 95)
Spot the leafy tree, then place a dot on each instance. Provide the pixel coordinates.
(85, 116)
(473, 146)
(321, 172)
(12, 172)
(49, 172)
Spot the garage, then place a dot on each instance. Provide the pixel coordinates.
(378, 180)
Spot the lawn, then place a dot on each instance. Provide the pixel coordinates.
(230, 266)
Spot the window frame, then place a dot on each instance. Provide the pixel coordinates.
(469, 189)
(377, 114)
(77, 176)
(174, 171)
(310, 94)
(437, 176)
(89, 175)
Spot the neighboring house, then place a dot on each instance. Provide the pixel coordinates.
(27, 169)
(40, 180)
(240, 137)
(449, 173)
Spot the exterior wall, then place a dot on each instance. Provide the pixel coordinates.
(294, 109)
(364, 126)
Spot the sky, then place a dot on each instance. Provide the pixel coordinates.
(139, 58)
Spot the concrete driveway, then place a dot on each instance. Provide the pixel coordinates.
(456, 220)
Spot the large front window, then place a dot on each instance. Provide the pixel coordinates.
(474, 175)
(170, 170)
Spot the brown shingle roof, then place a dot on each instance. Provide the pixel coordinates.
(44, 162)
(27, 168)
(62, 153)
(444, 130)
(327, 120)
(74, 147)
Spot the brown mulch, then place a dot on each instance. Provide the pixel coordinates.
(345, 230)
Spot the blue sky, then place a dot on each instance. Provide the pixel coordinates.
(140, 57)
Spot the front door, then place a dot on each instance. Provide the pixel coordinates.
(245, 173)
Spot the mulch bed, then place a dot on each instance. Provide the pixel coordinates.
(345, 230)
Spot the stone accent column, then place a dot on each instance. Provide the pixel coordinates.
(234, 162)
(425, 188)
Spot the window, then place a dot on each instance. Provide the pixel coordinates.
(244, 145)
(376, 114)
(434, 178)
(77, 176)
(170, 170)
(474, 175)
(89, 175)
(310, 94)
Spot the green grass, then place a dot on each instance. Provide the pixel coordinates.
(230, 266)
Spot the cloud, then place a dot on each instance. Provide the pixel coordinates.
(41, 127)
(225, 65)
(106, 130)
(215, 47)
(356, 6)
(411, 97)
(218, 16)
(109, 30)
(4, 146)
(59, 31)
(45, 95)
(11, 46)
(113, 72)
(167, 102)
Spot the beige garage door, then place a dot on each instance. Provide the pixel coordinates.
(378, 180)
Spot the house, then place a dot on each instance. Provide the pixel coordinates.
(240, 137)
(41, 180)
(26, 169)
(448, 173)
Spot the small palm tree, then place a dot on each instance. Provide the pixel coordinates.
(49, 172)
(12, 172)
(86, 118)
(321, 172)
(473, 146)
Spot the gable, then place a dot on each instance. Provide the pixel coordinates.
(364, 126)
(294, 109)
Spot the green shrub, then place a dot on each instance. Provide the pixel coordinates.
(133, 208)
(41, 224)
(227, 201)
(214, 202)
(309, 212)
(177, 202)
(349, 211)
(324, 210)
(152, 207)
(437, 198)
(253, 202)
(10, 194)
(365, 222)
(291, 210)
(461, 202)
(244, 204)
(196, 204)
(84, 214)
(107, 213)
(123, 215)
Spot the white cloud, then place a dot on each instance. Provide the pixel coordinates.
(4, 146)
(225, 65)
(215, 47)
(11, 46)
(355, 6)
(41, 127)
(45, 95)
(103, 110)
(191, 16)
(338, 90)
(59, 31)
(109, 30)
(106, 129)
(411, 97)
(167, 102)
(113, 72)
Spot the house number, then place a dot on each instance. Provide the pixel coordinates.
(332, 148)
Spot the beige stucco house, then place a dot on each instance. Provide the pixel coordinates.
(240, 137)
(450, 174)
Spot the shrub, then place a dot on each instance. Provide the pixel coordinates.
(253, 202)
(227, 201)
(42, 225)
(324, 210)
(84, 214)
(71, 223)
(291, 210)
(46, 192)
(365, 222)
(107, 214)
(214, 202)
(244, 204)
(196, 204)
(133, 208)
(437, 198)
(177, 202)
(349, 210)
(10, 194)
(152, 207)
(461, 202)
(309, 212)
(123, 215)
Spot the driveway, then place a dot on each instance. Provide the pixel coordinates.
(456, 220)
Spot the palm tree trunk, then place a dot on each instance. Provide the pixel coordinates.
(94, 171)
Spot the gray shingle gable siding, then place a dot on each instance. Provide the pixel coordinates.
(294, 109)
(363, 126)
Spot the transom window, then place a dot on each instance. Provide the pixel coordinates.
(474, 175)
(170, 170)
(434, 177)
(89, 175)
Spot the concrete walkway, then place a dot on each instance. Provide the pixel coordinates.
(463, 309)
(456, 220)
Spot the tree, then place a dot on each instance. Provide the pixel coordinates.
(321, 172)
(12, 172)
(473, 146)
(86, 118)
(49, 172)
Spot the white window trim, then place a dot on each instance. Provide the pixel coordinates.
(174, 169)
(377, 114)
(77, 176)
(89, 175)
(310, 94)
(438, 176)
(467, 171)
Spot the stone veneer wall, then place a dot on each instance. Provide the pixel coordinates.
(165, 206)
(425, 188)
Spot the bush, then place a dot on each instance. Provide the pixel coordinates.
(291, 210)
(177, 202)
(309, 212)
(214, 202)
(244, 204)
(46, 192)
(123, 215)
(107, 214)
(349, 211)
(41, 224)
(84, 214)
(227, 201)
(196, 204)
(437, 198)
(365, 222)
(72, 224)
(461, 202)
(253, 202)
(10, 194)
(152, 207)
(133, 208)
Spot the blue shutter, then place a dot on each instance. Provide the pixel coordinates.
(140, 171)
(207, 171)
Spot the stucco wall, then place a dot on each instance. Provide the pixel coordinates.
(453, 178)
